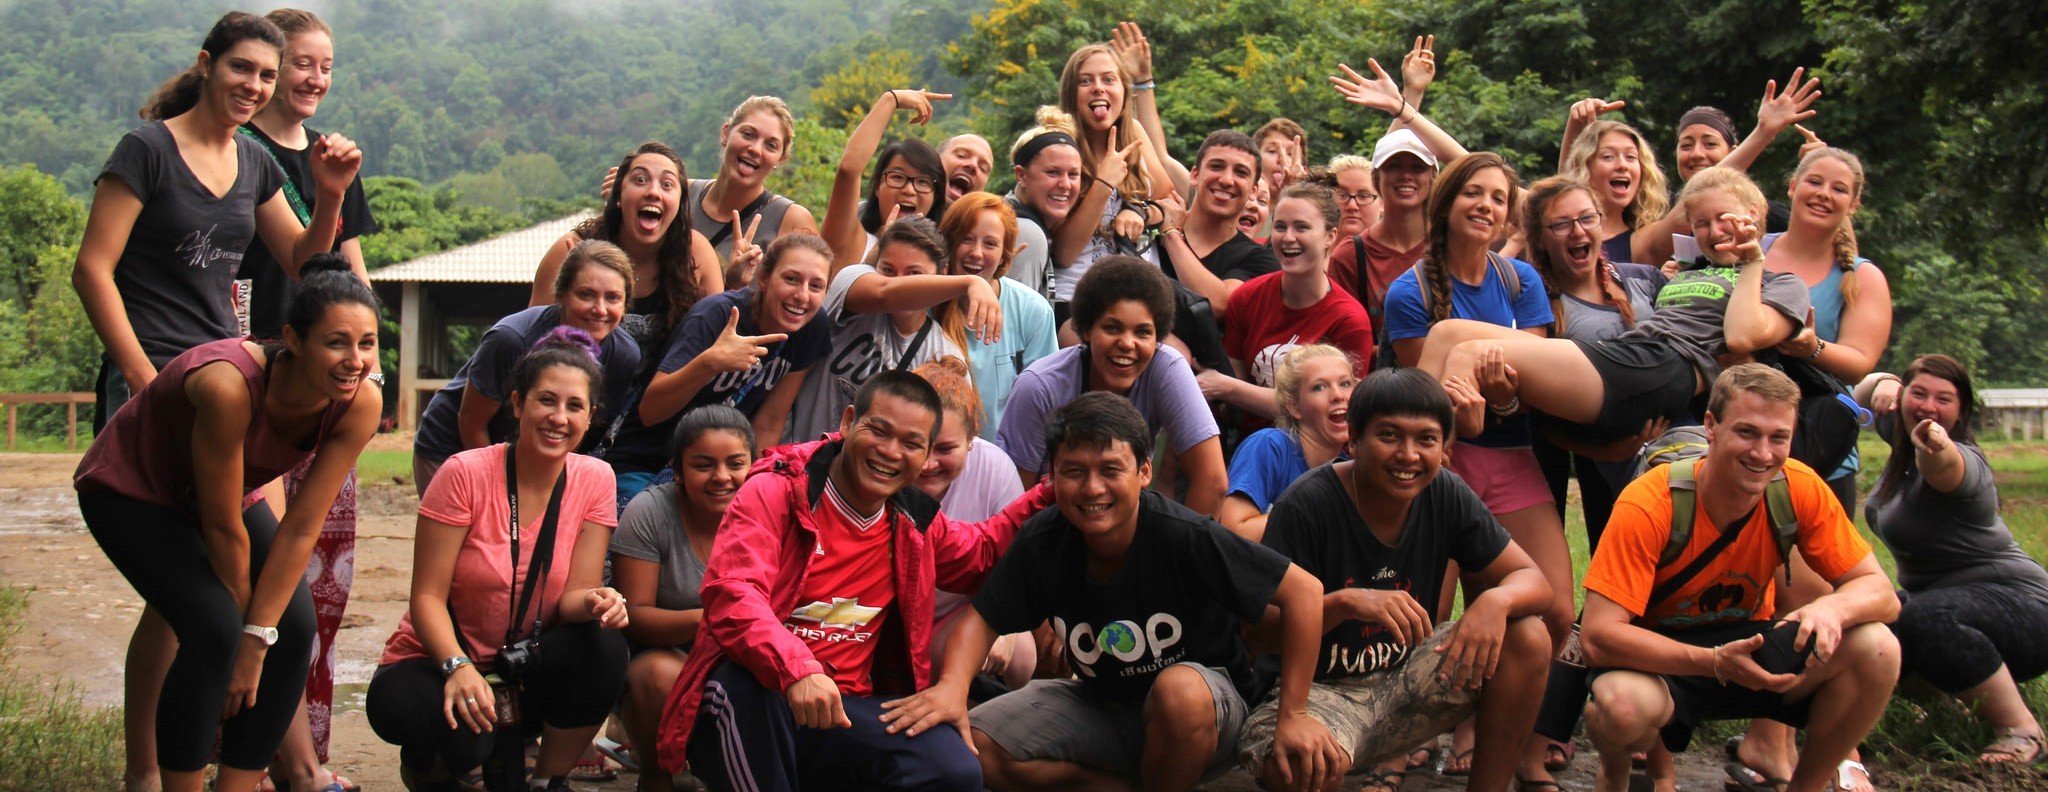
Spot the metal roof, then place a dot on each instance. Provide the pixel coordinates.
(511, 257)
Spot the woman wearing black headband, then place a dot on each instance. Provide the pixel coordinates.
(1046, 162)
(1706, 137)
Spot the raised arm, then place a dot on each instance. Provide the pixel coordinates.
(1775, 114)
(550, 266)
(1418, 71)
(842, 213)
(1582, 114)
(1129, 42)
(1380, 93)
(874, 293)
(114, 209)
(1187, 265)
(1749, 324)
(335, 162)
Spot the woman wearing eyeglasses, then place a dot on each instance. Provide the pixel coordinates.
(908, 179)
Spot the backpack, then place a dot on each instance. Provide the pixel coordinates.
(1384, 356)
(1829, 417)
(1683, 487)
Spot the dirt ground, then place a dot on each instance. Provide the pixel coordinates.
(81, 611)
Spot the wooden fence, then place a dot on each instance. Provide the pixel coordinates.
(69, 400)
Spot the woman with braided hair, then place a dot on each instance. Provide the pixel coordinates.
(1852, 306)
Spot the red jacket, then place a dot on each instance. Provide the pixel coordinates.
(756, 571)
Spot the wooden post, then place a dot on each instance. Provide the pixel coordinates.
(71, 425)
(409, 355)
(10, 426)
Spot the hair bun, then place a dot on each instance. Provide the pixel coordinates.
(1052, 117)
(566, 337)
(325, 262)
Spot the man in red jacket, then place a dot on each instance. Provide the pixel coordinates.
(818, 603)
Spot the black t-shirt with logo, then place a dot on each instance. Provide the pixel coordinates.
(176, 273)
(1187, 589)
(1316, 524)
(270, 289)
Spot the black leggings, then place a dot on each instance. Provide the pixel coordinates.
(1956, 637)
(1596, 493)
(160, 552)
(581, 673)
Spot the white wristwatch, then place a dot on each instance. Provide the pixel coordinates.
(268, 635)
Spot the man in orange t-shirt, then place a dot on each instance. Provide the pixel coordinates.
(1710, 649)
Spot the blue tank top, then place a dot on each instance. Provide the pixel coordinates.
(1828, 304)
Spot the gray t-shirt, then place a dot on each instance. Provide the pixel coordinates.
(1949, 539)
(862, 346)
(1593, 323)
(652, 530)
(176, 274)
(1691, 306)
(1029, 267)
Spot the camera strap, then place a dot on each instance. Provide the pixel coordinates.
(543, 549)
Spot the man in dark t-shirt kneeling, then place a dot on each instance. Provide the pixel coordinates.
(1150, 602)
(1377, 530)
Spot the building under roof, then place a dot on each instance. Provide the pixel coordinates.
(476, 284)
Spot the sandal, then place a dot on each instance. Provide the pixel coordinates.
(618, 752)
(1843, 783)
(2015, 747)
(1536, 785)
(1455, 755)
(1742, 777)
(592, 771)
(1557, 756)
(345, 783)
(1388, 780)
(1422, 755)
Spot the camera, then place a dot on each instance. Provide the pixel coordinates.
(514, 659)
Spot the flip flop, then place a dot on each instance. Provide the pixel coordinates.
(1742, 777)
(1455, 755)
(1843, 783)
(618, 752)
(1557, 756)
(2015, 747)
(1533, 785)
(1389, 780)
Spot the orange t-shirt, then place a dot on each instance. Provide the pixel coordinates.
(1736, 586)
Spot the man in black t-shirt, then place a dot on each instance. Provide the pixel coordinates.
(1377, 530)
(1203, 247)
(1150, 602)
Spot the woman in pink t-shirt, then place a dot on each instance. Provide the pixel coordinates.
(509, 624)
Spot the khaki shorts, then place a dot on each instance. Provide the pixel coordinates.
(1375, 717)
(1061, 720)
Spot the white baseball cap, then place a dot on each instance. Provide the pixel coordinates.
(1400, 141)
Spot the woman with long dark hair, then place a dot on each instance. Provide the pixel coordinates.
(163, 490)
(1975, 604)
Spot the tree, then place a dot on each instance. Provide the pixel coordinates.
(35, 216)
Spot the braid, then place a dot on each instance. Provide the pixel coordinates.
(1439, 289)
(1550, 289)
(1845, 258)
(1617, 297)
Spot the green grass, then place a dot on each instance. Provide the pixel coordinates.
(384, 467)
(50, 739)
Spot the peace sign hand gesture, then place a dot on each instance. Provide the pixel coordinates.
(1379, 93)
(1780, 110)
(917, 101)
(1418, 67)
(746, 255)
(1128, 40)
(1117, 166)
(734, 352)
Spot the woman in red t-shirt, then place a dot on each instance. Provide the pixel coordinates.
(1272, 314)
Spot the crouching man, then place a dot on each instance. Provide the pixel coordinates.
(1377, 530)
(818, 601)
(1678, 622)
(1150, 601)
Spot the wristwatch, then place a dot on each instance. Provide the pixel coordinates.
(268, 635)
(452, 665)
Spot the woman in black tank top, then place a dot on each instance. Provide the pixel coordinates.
(753, 142)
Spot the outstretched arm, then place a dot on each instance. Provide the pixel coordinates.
(1775, 114)
(1129, 42)
(1583, 113)
(1380, 93)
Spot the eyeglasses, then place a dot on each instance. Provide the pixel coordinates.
(1360, 198)
(1589, 221)
(898, 179)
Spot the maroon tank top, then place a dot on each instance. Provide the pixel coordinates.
(145, 452)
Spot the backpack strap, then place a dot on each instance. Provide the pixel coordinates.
(1684, 490)
(1784, 521)
(1364, 288)
(1506, 270)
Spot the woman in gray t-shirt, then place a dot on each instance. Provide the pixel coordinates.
(1975, 602)
(658, 556)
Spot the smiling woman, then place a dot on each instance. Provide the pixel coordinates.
(471, 410)
(163, 491)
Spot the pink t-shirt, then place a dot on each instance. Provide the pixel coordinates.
(1261, 328)
(469, 490)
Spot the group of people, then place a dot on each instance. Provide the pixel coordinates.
(1149, 469)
